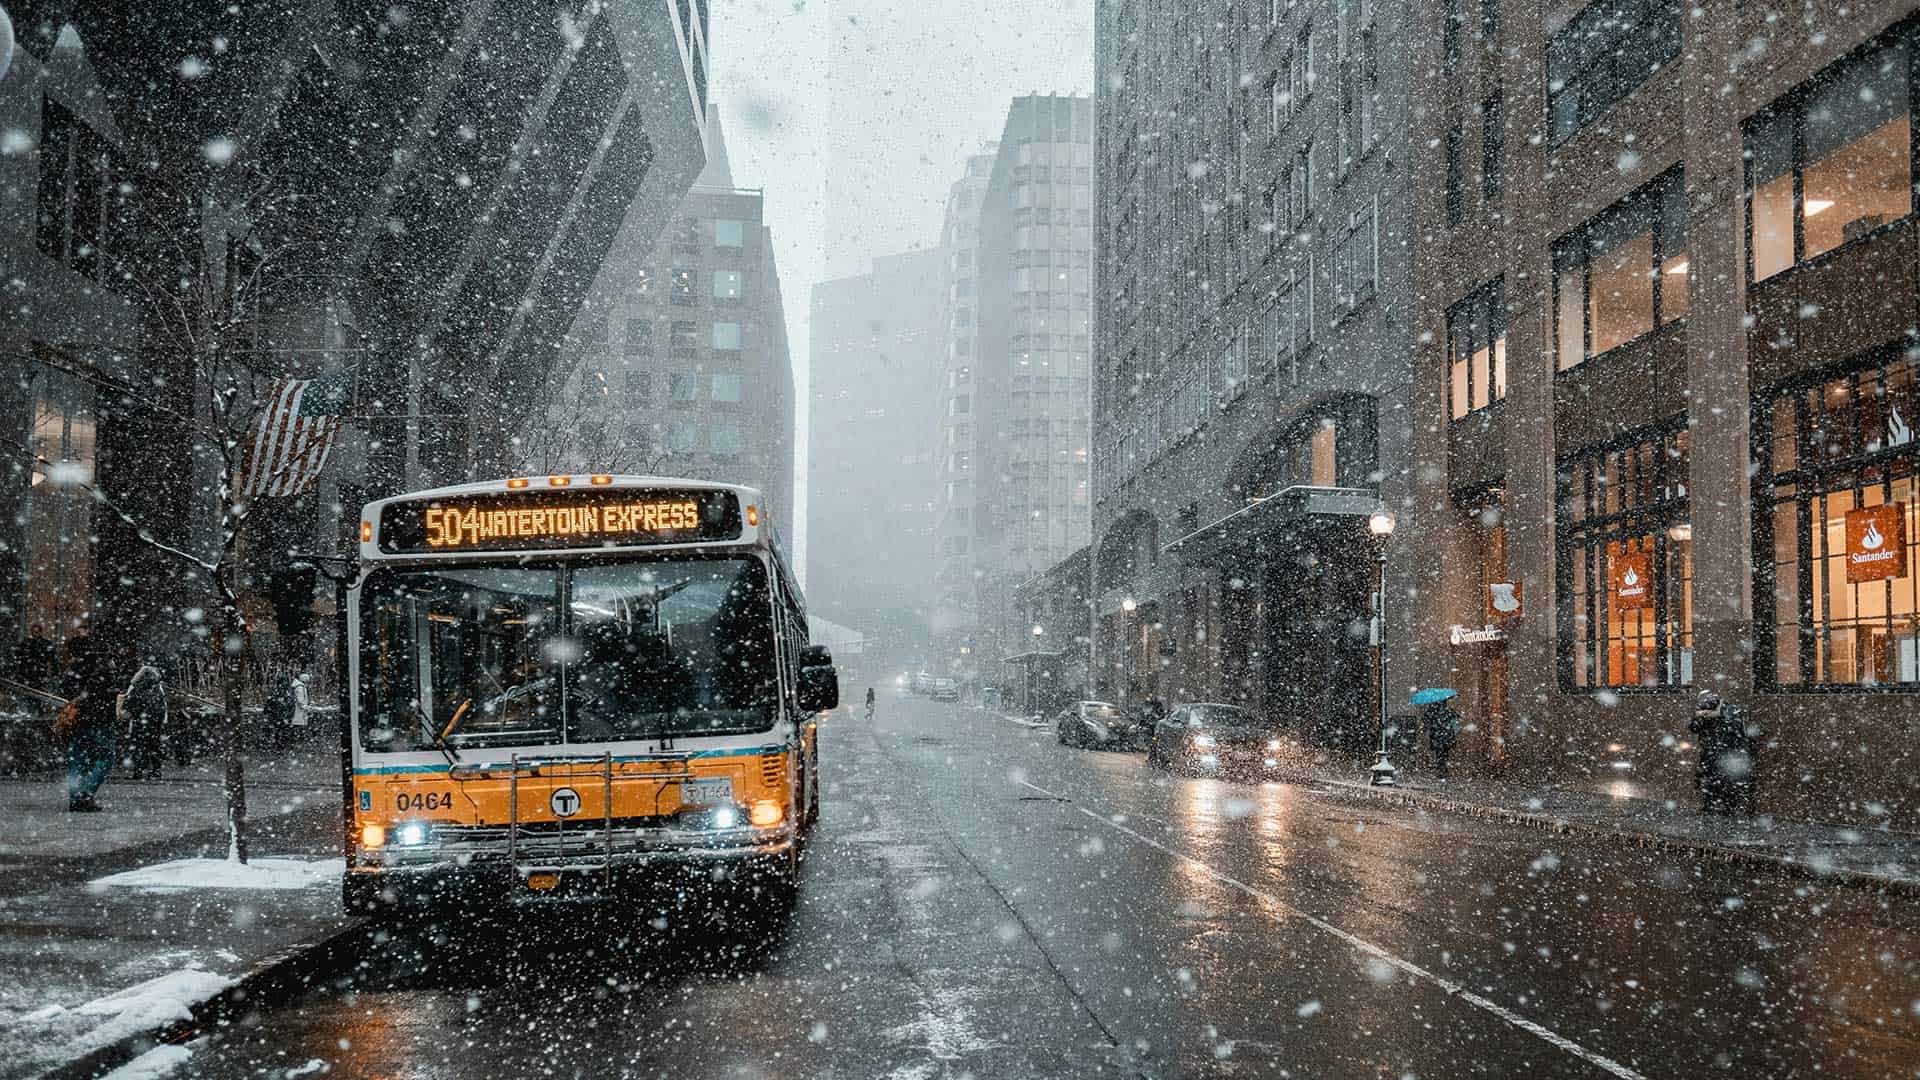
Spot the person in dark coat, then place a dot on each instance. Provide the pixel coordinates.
(1443, 727)
(1724, 767)
(146, 716)
(92, 684)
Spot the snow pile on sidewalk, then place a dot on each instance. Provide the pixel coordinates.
(56, 1032)
(183, 874)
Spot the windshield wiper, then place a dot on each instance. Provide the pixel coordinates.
(439, 738)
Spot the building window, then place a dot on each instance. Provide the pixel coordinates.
(683, 387)
(1279, 98)
(1831, 162)
(1489, 22)
(1477, 349)
(57, 515)
(723, 439)
(639, 387)
(683, 286)
(683, 339)
(728, 284)
(1622, 273)
(642, 281)
(639, 339)
(726, 336)
(681, 436)
(1456, 176)
(1835, 603)
(1303, 185)
(1602, 55)
(1493, 145)
(728, 233)
(1356, 258)
(686, 236)
(1625, 565)
(726, 387)
(76, 176)
(1300, 71)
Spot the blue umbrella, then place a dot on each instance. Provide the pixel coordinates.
(1432, 694)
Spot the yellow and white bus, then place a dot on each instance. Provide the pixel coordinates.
(563, 686)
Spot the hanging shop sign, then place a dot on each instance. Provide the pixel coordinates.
(1504, 600)
(1632, 580)
(1467, 635)
(1877, 543)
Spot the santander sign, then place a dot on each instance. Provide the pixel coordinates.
(1877, 542)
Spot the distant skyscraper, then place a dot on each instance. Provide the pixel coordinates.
(876, 347)
(681, 365)
(1022, 488)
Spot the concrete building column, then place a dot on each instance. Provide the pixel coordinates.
(1719, 405)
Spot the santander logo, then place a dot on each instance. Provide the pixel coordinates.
(1503, 599)
(1871, 539)
(1630, 578)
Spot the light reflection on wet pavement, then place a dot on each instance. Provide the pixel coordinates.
(980, 901)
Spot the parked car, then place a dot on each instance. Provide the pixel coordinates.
(1214, 739)
(944, 689)
(1095, 724)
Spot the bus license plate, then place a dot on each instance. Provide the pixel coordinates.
(712, 791)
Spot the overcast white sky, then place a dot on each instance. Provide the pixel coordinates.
(856, 116)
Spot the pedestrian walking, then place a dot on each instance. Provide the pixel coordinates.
(145, 710)
(1724, 768)
(88, 723)
(1443, 728)
(34, 658)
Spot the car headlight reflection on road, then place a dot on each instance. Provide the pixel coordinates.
(1203, 742)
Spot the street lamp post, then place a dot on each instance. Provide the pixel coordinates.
(1380, 526)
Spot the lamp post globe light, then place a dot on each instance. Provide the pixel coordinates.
(1380, 526)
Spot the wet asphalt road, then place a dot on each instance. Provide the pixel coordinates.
(979, 901)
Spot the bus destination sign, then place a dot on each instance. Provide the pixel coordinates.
(523, 521)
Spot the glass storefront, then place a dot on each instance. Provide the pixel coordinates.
(58, 511)
(1829, 447)
(1625, 565)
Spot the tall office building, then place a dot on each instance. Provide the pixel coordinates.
(1250, 403)
(1024, 483)
(956, 613)
(681, 364)
(1665, 390)
(875, 343)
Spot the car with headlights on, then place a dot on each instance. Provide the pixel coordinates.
(1213, 739)
(1094, 725)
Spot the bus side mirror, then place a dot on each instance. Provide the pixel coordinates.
(819, 682)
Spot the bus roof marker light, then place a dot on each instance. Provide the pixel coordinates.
(753, 515)
(601, 479)
(366, 531)
(559, 481)
(517, 483)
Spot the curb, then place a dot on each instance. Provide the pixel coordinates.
(1865, 879)
(272, 981)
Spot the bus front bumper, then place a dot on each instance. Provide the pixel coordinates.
(534, 873)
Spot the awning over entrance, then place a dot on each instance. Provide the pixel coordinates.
(1280, 512)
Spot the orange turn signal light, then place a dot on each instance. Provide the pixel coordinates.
(366, 532)
(373, 836)
(517, 482)
(765, 812)
(753, 514)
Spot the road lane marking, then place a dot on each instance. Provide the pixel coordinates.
(1452, 988)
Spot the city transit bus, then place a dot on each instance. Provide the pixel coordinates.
(571, 686)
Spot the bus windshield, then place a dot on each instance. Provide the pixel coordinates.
(522, 655)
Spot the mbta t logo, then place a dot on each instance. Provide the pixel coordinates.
(565, 802)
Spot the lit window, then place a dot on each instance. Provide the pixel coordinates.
(727, 284)
(1477, 349)
(1622, 273)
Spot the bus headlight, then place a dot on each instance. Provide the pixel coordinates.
(725, 818)
(1203, 742)
(766, 812)
(412, 834)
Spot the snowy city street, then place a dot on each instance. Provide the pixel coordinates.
(982, 901)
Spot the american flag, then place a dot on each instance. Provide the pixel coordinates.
(293, 435)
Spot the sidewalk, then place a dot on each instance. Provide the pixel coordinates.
(109, 928)
(1863, 856)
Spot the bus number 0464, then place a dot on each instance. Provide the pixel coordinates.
(430, 800)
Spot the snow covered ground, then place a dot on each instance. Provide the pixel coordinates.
(185, 874)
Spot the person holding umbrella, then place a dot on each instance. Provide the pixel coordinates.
(1443, 724)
